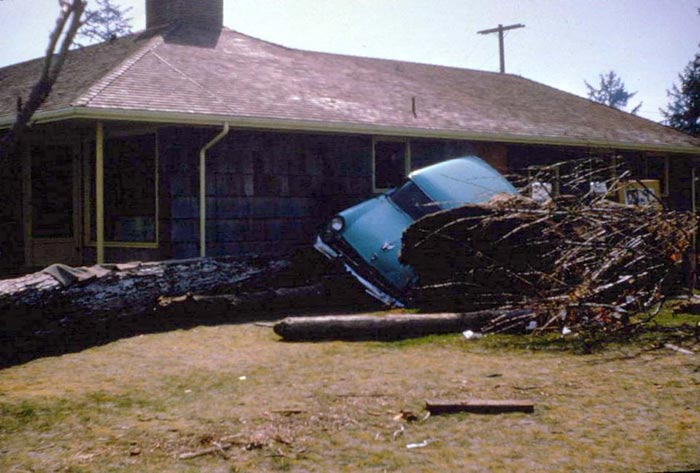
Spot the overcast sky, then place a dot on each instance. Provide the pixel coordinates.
(647, 42)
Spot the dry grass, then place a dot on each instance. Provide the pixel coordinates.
(138, 403)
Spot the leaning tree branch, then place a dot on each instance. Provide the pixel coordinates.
(60, 41)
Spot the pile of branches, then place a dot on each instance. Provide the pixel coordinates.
(577, 261)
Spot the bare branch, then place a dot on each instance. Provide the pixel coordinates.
(579, 260)
(60, 40)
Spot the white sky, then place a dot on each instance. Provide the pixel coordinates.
(647, 42)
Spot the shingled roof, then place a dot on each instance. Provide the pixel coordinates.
(185, 75)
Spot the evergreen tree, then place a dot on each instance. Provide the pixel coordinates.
(683, 111)
(612, 92)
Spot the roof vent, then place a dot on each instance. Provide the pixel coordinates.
(202, 13)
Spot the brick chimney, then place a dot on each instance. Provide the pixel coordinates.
(202, 13)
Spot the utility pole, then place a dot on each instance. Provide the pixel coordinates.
(500, 31)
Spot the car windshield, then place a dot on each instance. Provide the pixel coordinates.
(413, 201)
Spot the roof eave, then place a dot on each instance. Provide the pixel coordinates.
(199, 119)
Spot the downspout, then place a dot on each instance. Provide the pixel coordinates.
(203, 189)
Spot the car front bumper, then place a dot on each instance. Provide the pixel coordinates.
(353, 267)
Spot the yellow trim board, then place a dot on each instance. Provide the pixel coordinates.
(125, 244)
(99, 193)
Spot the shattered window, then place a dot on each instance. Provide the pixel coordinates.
(413, 201)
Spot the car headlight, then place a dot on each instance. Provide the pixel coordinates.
(337, 224)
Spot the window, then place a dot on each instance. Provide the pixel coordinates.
(543, 182)
(391, 163)
(413, 201)
(52, 191)
(130, 190)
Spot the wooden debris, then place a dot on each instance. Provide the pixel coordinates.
(219, 448)
(678, 349)
(691, 306)
(368, 327)
(479, 406)
(397, 433)
(408, 416)
(579, 261)
(288, 412)
(422, 444)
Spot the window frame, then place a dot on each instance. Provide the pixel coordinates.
(407, 160)
(88, 177)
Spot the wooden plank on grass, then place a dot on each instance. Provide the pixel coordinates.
(479, 406)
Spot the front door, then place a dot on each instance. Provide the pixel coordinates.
(53, 235)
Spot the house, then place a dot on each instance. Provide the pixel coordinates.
(191, 139)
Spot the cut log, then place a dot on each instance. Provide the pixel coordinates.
(479, 406)
(369, 327)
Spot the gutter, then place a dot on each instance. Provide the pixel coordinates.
(198, 119)
(203, 189)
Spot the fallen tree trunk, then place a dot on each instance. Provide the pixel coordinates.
(123, 289)
(93, 303)
(368, 327)
(301, 297)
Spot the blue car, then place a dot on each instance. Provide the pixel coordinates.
(367, 237)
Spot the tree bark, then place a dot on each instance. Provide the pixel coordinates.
(126, 289)
(368, 327)
(105, 303)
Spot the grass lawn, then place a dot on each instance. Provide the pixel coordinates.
(138, 404)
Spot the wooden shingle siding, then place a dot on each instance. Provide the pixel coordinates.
(266, 192)
(11, 225)
(269, 192)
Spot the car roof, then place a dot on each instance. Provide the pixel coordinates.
(468, 179)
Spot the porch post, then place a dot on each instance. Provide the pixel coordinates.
(667, 177)
(99, 193)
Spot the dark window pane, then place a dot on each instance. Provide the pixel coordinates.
(52, 192)
(129, 189)
(413, 201)
(389, 164)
